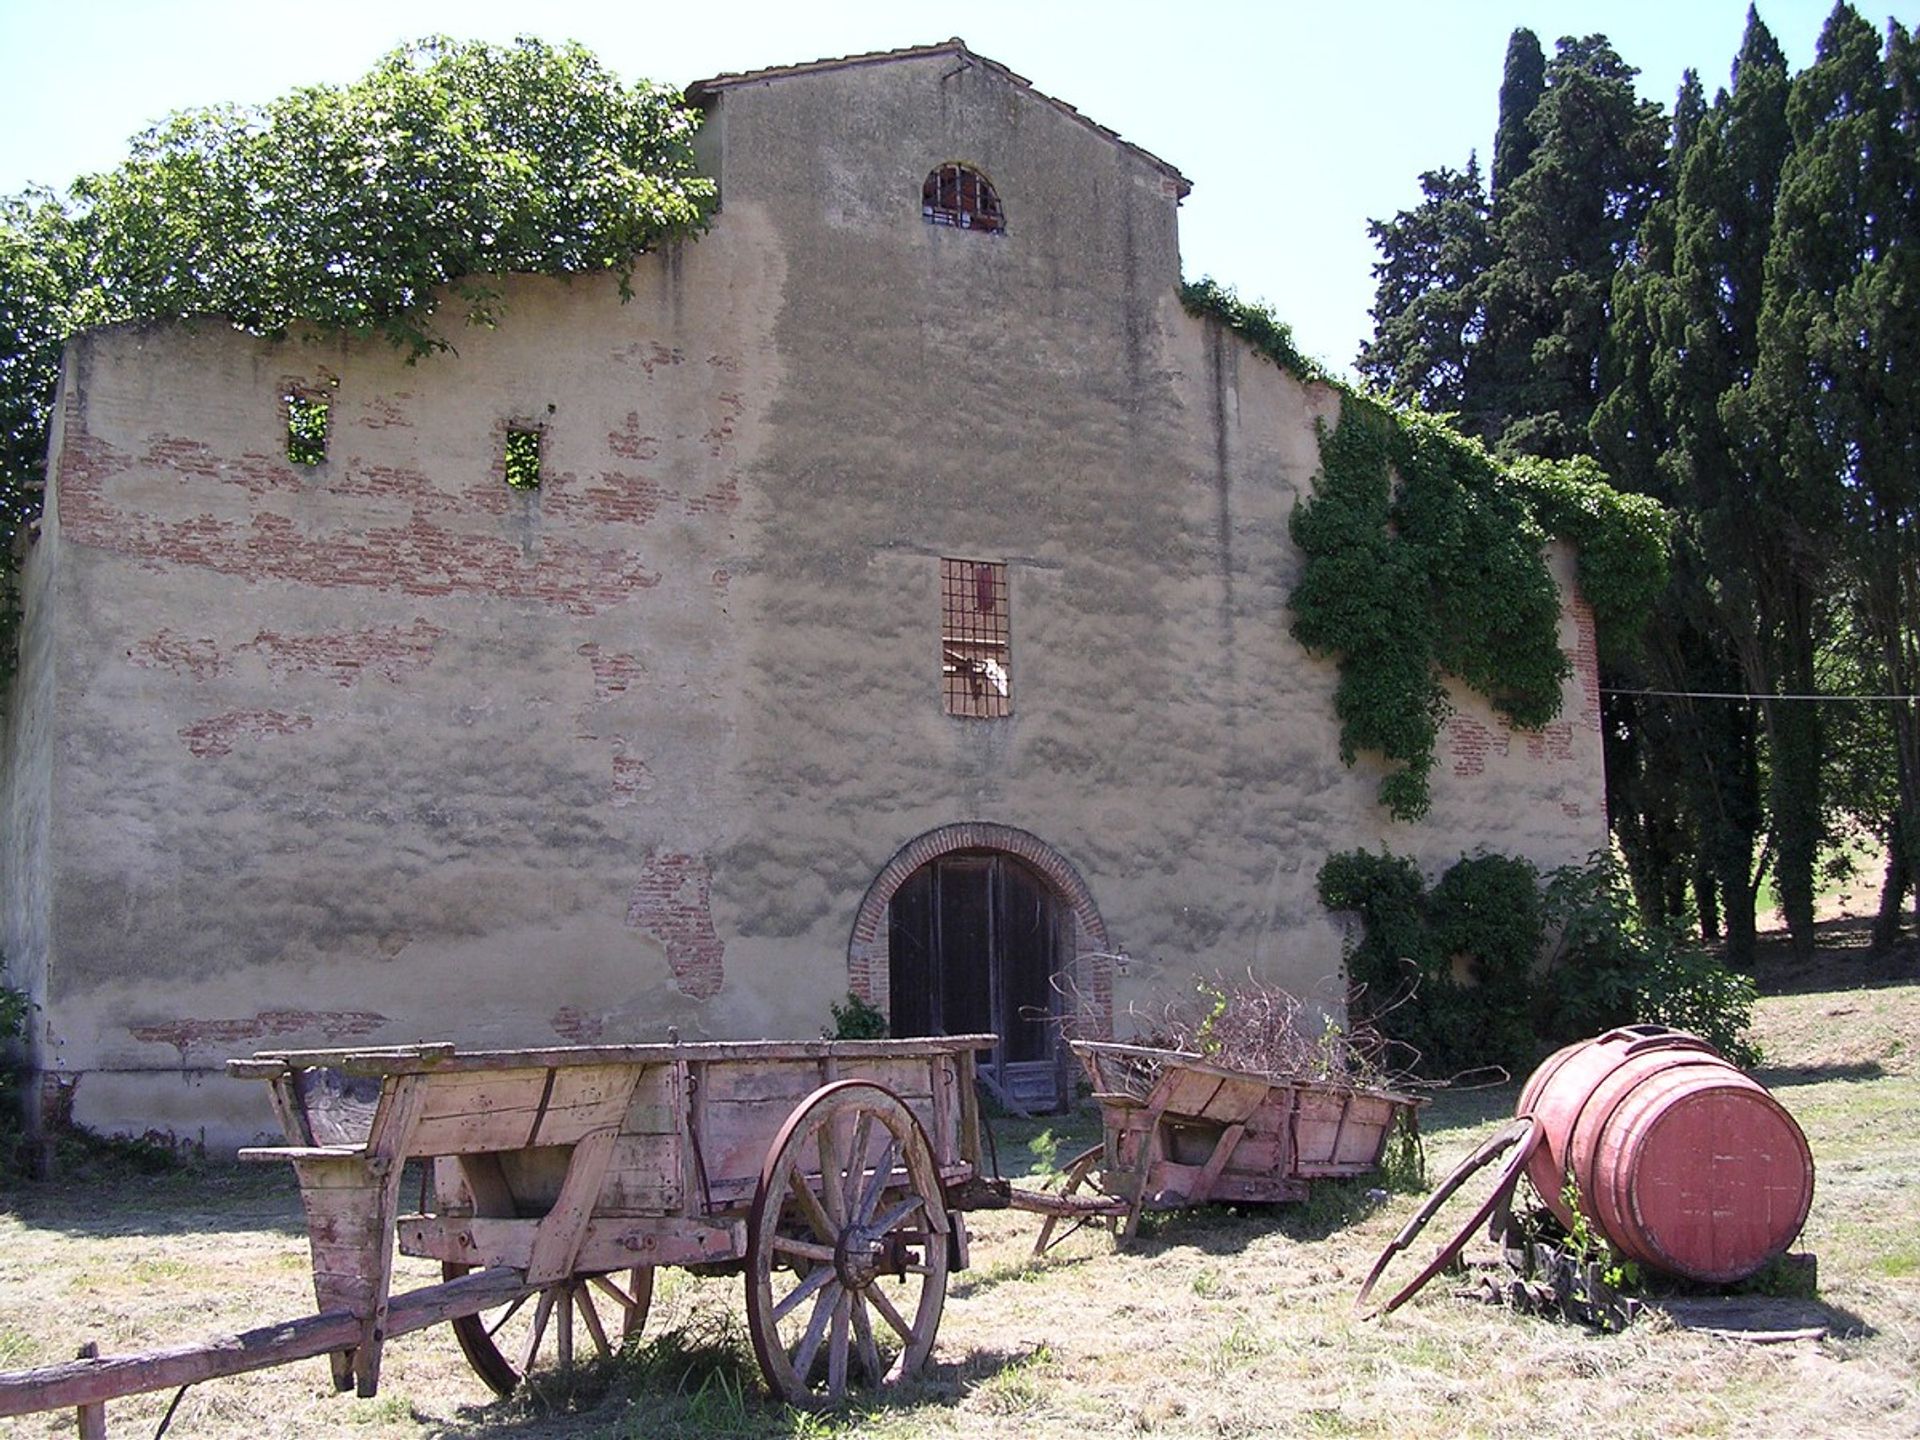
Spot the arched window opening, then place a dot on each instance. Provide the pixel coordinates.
(957, 196)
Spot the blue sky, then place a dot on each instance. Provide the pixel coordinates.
(1296, 122)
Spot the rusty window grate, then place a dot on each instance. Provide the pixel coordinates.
(958, 196)
(975, 661)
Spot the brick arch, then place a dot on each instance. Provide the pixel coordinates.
(1088, 965)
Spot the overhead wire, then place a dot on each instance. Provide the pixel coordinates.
(1740, 695)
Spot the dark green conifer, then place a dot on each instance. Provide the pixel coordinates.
(1425, 309)
(1522, 83)
(1793, 422)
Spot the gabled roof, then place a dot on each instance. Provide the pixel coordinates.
(702, 90)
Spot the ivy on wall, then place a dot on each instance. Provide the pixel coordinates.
(1425, 556)
(1446, 973)
(1259, 326)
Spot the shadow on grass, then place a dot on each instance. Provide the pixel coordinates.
(1330, 1207)
(1843, 959)
(1775, 1078)
(111, 1201)
(1743, 1313)
(1466, 1109)
(701, 1380)
(1026, 1270)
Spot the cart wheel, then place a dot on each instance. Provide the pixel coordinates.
(846, 1246)
(537, 1331)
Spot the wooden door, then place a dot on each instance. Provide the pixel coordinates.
(975, 942)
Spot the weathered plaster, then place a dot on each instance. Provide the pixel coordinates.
(383, 750)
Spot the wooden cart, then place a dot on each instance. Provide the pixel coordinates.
(1181, 1130)
(826, 1170)
(830, 1173)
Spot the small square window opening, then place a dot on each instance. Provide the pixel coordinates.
(523, 459)
(306, 429)
(975, 655)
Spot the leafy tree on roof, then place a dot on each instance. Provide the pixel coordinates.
(358, 208)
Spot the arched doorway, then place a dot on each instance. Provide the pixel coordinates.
(975, 943)
(994, 930)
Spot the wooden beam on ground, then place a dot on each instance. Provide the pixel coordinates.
(92, 1381)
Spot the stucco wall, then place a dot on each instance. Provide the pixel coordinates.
(26, 785)
(384, 750)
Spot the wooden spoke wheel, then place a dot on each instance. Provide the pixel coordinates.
(846, 1246)
(544, 1330)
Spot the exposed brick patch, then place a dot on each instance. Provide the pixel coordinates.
(1552, 742)
(613, 672)
(223, 1035)
(728, 363)
(383, 412)
(631, 779)
(1469, 743)
(215, 735)
(629, 443)
(1586, 663)
(1572, 809)
(673, 903)
(720, 434)
(578, 1026)
(164, 650)
(611, 498)
(343, 657)
(650, 357)
(722, 499)
(1089, 968)
(256, 474)
(418, 557)
(722, 579)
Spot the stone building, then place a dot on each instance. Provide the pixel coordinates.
(900, 608)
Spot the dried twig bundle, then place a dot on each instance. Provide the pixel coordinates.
(1246, 1024)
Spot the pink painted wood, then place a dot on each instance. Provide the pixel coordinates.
(1682, 1162)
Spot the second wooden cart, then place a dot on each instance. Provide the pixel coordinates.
(1180, 1129)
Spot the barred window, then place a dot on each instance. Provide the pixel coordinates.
(975, 674)
(958, 196)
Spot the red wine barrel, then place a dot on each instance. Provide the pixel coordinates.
(1682, 1162)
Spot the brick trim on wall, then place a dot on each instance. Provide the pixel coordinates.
(1089, 964)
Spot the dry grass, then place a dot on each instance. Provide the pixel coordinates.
(1215, 1324)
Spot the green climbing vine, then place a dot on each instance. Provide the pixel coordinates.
(1262, 329)
(1446, 973)
(1425, 556)
(1622, 539)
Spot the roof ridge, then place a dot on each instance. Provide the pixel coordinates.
(702, 89)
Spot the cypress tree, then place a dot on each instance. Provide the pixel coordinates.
(1724, 202)
(1867, 344)
(1563, 226)
(1425, 308)
(1522, 83)
(1797, 421)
